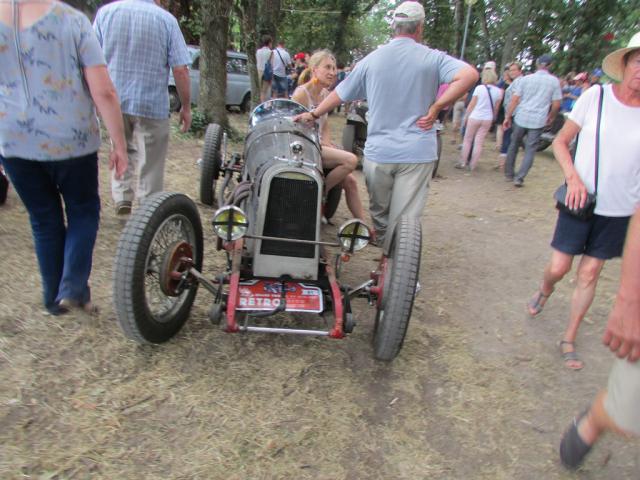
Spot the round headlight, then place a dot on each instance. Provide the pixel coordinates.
(354, 235)
(230, 223)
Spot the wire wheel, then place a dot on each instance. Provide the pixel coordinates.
(155, 243)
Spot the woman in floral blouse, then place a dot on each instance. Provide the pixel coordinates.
(53, 76)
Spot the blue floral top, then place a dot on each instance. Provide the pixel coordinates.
(46, 111)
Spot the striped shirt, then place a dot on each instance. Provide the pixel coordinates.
(536, 92)
(141, 42)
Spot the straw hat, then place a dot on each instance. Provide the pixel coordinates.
(612, 63)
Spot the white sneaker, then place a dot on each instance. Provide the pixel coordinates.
(418, 287)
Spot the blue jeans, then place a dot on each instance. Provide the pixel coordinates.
(506, 141)
(530, 145)
(64, 251)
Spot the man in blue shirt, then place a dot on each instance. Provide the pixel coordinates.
(537, 98)
(400, 81)
(141, 42)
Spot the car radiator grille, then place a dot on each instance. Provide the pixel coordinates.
(291, 213)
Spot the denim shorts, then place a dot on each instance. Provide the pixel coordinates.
(599, 237)
(280, 84)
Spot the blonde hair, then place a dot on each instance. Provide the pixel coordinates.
(315, 60)
(489, 76)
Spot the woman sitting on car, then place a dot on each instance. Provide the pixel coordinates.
(313, 87)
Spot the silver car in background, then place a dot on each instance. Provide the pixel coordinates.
(238, 84)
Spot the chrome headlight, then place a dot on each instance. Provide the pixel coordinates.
(354, 235)
(230, 223)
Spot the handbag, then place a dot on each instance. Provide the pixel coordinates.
(560, 195)
(493, 115)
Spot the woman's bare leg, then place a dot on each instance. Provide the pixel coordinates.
(353, 197)
(342, 163)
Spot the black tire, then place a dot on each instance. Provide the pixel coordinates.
(403, 265)
(211, 163)
(4, 188)
(333, 200)
(349, 137)
(245, 106)
(174, 100)
(437, 163)
(163, 219)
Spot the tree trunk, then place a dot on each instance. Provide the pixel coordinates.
(518, 23)
(213, 60)
(485, 30)
(459, 24)
(269, 18)
(248, 14)
(339, 48)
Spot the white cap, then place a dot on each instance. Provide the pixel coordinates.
(490, 64)
(408, 12)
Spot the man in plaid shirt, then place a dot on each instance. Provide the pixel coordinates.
(141, 42)
(537, 98)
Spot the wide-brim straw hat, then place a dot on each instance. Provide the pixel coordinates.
(612, 63)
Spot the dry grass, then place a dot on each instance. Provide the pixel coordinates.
(477, 392)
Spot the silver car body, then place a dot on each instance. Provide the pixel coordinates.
(238, 83)
(283, 164)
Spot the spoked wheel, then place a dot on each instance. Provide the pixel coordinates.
(152, 293)
(399, 286)
(211, 163)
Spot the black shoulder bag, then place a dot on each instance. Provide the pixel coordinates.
(493, 114)
(586, 212)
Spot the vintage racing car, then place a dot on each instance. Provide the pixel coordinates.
(268, 226)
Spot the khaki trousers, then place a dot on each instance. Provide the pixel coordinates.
(396, 189)
(147, 143)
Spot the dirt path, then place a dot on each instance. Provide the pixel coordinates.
(478, 391)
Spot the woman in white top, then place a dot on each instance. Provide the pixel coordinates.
(481, 112)
(601, 237)
(322, 73)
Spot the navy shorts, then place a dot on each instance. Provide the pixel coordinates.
(280, 85)
(599, 237)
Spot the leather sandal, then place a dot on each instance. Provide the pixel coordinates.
(535, 305)
(571, 356)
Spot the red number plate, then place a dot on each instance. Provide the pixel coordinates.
(265, 295)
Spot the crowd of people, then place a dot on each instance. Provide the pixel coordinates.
(50, 136)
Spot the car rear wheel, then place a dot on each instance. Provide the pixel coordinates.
(211, 163)
(174, 100)
(437, 163)
(151, 299)
(245, 106)
(399, 289)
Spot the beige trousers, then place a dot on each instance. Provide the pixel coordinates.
(147, 143)
(396, 189)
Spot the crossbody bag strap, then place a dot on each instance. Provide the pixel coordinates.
(283, 64)
(493, 114)
(600, 101)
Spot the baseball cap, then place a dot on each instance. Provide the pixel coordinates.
(408, 12)
(490, 64)
(597, 73)
(545, 59)
(299, 56)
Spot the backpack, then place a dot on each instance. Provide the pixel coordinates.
(267, 73)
